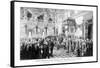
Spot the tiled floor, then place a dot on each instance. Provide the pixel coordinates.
(62, 53)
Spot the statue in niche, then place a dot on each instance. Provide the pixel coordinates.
(29, 15)
(40, 18)
(50, 20)
(46, 28)
(28, 31)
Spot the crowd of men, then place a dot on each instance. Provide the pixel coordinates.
(38, 49)
(43, 48)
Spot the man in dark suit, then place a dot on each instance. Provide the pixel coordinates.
(51, 46)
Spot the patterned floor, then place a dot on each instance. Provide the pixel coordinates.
(62, 53)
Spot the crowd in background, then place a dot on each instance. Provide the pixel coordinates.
(39, 48)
